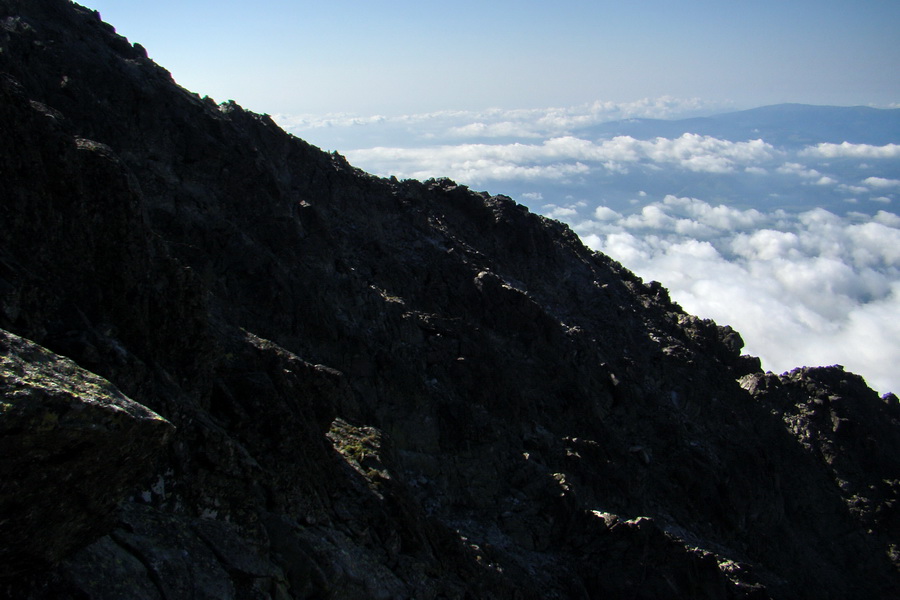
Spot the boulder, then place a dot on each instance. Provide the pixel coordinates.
(71, 447)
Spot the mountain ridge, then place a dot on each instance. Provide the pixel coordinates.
(383, 388)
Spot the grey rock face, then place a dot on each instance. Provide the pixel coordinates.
(72, 446)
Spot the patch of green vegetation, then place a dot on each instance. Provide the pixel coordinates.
(358, 448)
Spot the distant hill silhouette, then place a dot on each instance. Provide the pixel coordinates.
(788, 125)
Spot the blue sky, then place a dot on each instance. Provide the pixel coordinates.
(397, 57)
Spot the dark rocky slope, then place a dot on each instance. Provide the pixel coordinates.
(379, 389)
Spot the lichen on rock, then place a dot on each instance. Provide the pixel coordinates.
(71, 447)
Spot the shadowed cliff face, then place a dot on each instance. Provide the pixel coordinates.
(387, 389)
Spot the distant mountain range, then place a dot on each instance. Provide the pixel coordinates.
(787, 125)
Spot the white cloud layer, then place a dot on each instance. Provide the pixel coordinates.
(848, 150)
(497, 123)
(565, 156)
(803, 289)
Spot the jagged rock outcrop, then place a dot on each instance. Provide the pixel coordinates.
(71, 448)
(386, 389)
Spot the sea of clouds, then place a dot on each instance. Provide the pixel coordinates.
(797, 248)
(804, 288)
(344, 132)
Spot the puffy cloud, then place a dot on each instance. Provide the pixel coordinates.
(792, 168)
(603, 213)
(802, 288)
(559, 212)
(500, 129)
(560, 157)
(307, 122)
(881, 182)
(690, 151)
(848, 150)
(720, 217)
(707, 154)
(886, 218)
(474, 163)
(853, 189)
